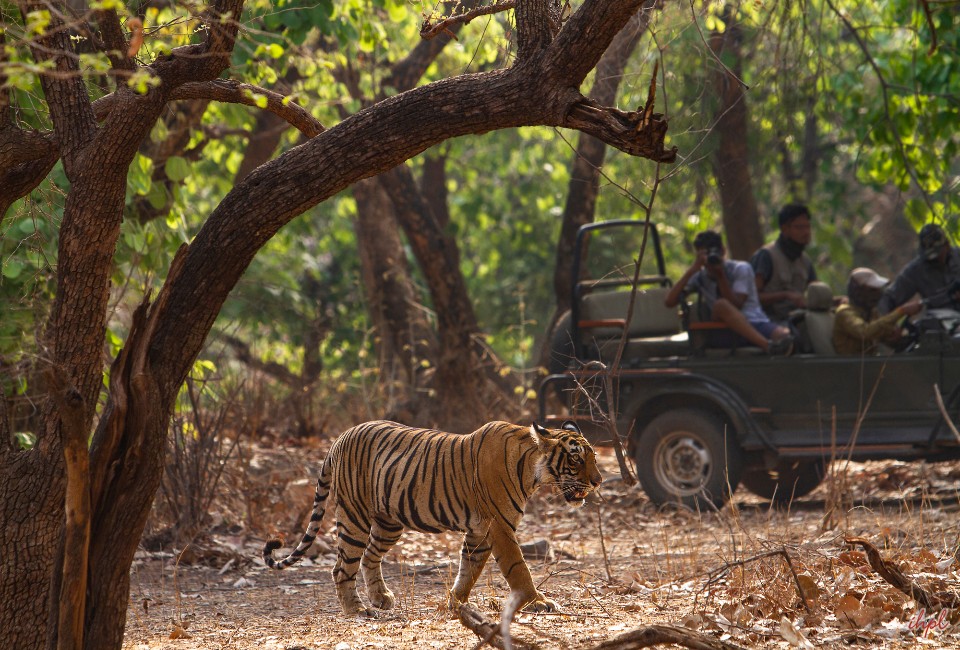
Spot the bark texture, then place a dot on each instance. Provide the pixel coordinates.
(741, 216)
(405, 340)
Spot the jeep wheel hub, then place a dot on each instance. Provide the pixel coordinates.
(682, 463)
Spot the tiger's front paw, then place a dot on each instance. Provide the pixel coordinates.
(541, 604)
(453, 602)
(383, 599)
(362, 612)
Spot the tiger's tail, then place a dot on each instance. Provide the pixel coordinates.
(316, 517)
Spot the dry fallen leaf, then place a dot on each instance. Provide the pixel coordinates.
(851, 612)
(809, 588)
(792, 635)
(179, 633)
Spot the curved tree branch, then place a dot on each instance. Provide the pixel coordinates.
(403, 126)
(430, 29)
(235, 92)
(586, 35)
(536, 26)
(113, 39)
(65, 91)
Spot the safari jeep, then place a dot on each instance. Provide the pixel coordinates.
(700, 421)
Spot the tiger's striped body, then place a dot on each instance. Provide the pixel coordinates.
(387, 477)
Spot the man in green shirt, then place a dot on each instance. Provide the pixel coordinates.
(857, 327)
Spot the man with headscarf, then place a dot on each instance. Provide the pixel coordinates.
(857, 327)
(782, 268)
(934, 274)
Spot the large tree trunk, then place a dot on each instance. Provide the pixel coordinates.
(31, 508)
(741, 216)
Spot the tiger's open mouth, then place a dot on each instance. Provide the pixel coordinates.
(575, 493)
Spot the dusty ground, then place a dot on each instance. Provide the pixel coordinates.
(613, 566)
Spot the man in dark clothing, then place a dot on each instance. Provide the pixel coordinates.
(934, 274)
(783, 270)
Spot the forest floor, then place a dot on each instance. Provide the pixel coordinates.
(750, 575)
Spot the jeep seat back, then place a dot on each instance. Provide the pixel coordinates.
(818, 320)
(654, 328)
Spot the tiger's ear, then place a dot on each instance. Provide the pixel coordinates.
(540, 434)
(570, 425)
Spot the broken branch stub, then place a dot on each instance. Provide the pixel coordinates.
(637, 133)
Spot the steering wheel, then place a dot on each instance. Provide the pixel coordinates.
(944, 320)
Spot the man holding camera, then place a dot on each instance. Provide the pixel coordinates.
(728, 291)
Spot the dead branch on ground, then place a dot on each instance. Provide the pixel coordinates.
(893, 575)
(643, 637)
(487, 630)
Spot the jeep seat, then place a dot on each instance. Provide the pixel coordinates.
(818, 319)
(654, 331)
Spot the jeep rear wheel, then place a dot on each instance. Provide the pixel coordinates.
(686, 457)
(787, 481)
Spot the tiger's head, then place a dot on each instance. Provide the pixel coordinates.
(567, 460)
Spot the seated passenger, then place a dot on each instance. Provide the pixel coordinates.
(934, 274)
(783, 270)
(728, 290)
(857, 327)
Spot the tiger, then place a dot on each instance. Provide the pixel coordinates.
(389, 477)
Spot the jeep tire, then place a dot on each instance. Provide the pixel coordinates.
(688, 457)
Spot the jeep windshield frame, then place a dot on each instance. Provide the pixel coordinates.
(580, 286)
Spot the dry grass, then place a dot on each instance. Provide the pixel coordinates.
(758, 577)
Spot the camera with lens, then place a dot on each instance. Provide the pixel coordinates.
(714, 256)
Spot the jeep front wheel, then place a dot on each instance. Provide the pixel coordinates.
(687, 457)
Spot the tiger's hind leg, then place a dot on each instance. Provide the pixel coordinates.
(383, 535)
(353, 529)
(473, 556)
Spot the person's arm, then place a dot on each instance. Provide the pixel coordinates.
(882, 329)
(676, 291)
(898, 292)
(736, 288)
(762, 264)
(770, 297)
(735, 294)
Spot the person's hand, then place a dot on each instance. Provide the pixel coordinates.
(954, 291)
(797, 299)
(716, 271)
(911, 308)
(700, 261)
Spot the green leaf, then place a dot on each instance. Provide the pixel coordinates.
(25, 439)
(177, 168)
(12, 269)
